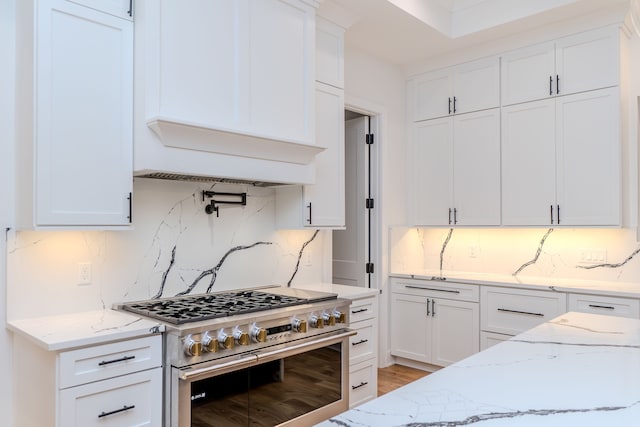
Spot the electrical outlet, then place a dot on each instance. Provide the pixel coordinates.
(593, 256)
(307, 258)
(84, 273)
(473, 251)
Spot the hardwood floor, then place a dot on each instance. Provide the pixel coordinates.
(396, 376)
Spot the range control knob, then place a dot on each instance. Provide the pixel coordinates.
(258, 334)
(192, 347)
(329, 319)
(209, 343)
(340, 316)
(316, 322)
(240, 336)
(225, 340)
(299, 325)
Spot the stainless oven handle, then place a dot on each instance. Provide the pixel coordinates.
(237, 363)
(294, 349)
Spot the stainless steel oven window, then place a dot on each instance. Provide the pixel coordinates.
(292, 387)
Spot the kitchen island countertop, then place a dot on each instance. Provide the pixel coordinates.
(576, 370)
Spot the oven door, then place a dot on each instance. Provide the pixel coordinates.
(299, 383)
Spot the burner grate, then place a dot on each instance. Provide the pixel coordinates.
(195, 308)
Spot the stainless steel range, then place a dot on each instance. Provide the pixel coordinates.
(260, 357)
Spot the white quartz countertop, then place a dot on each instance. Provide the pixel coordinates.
(619, 289)
(343, 291)
(576, 370)
(63, 332)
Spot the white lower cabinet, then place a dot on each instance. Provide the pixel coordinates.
(489, 339)
(598, 304)
(116, 384)
(363, 351)
(512, 311)
(433, 322)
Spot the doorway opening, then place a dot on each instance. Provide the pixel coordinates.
(354, 248)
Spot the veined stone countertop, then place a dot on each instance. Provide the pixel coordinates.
(67, 331)
(578, 369)
(617, 289)
(343, 291)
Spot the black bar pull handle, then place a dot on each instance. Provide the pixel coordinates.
(362, 384)
(428, 311)
(449, 105)
(117, 411)
(606, 307)
(455, 216)
(130, 11)
(550, 85)
(558, 214)
(359, 342)
(130, 198)
(454, 105)
(449, 216)
(551, 212)
(122, 359)
(362, 310)
(506, 310)
(557, 84)
(309, 207)
(433, 308)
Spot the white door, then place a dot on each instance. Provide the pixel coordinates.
(349, 255)
(588, 158)
(528, 163)
(410, 327)
(476, 168)
(431, 172)
(456, 331)
(528, 74)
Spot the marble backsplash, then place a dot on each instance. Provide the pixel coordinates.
(174, 248)
(564, 253)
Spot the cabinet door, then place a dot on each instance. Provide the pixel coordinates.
(476, 85)
(431, 95)
(121, 8)
(410, 327)
(528, 163)
(476, 168)
(431, 179)
(329, 53)
(528, 74)
(84, 102)
(456, 331)
(588, 158)
(588, 61)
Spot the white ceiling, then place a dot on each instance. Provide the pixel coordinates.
(407, 32)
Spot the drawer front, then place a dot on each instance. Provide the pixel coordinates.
(130, 400)
(109, 360)
(489, 339)
(363, 383)
(512, 311)
(362, 309)
(621, 307)
(363, 345)
(437, 289)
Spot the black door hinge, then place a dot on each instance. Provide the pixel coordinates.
(369, 139)
(369, 268)
(369, 204)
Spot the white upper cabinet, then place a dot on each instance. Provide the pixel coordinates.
(232, 77)
(468, 87)
(120, 8)
(455, 170)
(572, 64)
(561, 161)
(75, 104)
(329, 53)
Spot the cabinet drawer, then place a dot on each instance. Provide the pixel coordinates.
(489, 339)
(363, 382)
(438, 289)
(362, 309)
(130, 400)
(363, 345)
(109, 360)
(512, 311)
(622, 307)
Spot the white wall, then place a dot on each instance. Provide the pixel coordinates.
(379, 89)
(7, 41)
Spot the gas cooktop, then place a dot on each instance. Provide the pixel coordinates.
(194, 308)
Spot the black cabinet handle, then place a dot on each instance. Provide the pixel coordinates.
(124, 408)
(130, 198)
(521, 312)
(449, 216)
(550, 85)
(451, 291)
(428, 312)
(551, 212)
(449, 105)
(454, 105)
(557, 84)
(558, 214)
(309, 207)
(359, 342)
(130, 11)
(606, 307)
(362, 310)
(455, 216)
(362, 384)
(433, 308)
(122, 359)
